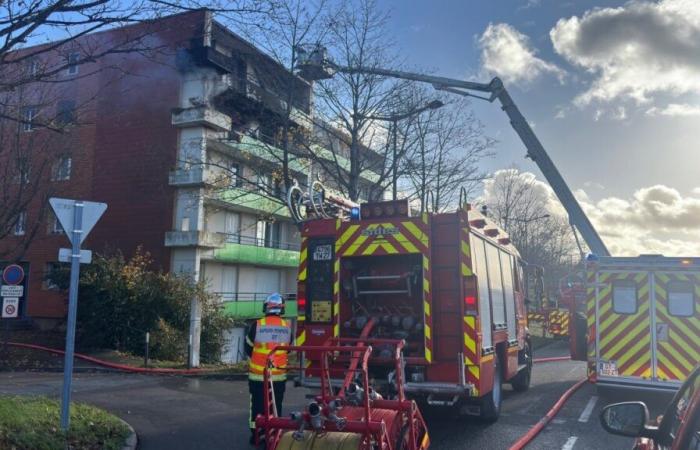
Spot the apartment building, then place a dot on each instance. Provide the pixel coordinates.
(185, 151)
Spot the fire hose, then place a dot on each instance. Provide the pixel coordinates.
(539, 426)
(110, 365)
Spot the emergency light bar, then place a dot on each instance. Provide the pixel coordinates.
(382, 210)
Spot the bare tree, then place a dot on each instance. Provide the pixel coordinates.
(525, 208)
(358, 38)
(447, 147)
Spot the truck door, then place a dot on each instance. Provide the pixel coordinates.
(677, 324)
(623, 325)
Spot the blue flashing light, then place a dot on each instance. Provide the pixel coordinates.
(355, 213)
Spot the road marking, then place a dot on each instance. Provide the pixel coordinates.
(569, 444)
(586, 413)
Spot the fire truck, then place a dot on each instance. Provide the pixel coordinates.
(450, 284)
(638, 324)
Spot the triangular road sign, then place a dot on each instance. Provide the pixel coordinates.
(65, 212)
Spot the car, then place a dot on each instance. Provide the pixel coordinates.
(677, 429)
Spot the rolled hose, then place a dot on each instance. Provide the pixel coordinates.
(111, 365)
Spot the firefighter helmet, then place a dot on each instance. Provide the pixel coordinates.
(274, 304)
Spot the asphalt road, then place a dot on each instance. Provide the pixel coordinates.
(189, 413)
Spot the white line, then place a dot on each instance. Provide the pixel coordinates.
(569, 444)
(586, 413)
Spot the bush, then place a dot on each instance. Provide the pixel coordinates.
(120, 300)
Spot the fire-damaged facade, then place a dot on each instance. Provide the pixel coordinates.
(184, 146)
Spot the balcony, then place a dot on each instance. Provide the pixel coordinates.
(264, 252)
(262, 149)
(249, 305)
(251, 201)
(200, 116)
(194, 239)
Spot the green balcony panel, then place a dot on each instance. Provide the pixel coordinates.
(250, 254)
(253, 309)
(252, 200)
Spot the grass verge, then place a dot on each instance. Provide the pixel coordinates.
(32, 423)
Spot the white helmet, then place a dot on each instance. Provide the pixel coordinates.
(274, 304)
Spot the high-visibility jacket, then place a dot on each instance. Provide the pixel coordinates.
(270, 331)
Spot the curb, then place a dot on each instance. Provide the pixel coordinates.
(132, 441)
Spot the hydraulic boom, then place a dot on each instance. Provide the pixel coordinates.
(317, 66)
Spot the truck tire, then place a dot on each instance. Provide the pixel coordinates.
(521, 381)
(491, 402)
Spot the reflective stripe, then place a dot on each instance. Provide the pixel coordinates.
(271, 331)
(256, 377)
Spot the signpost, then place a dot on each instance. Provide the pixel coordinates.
(77, 219)
(10, 307)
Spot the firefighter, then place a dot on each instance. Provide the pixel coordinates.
(265, 334)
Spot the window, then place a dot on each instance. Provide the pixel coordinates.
(236, 175)
(65, 112)
(624, 297)
(73, 60)
(21, 224)
(681, 301)
(50, 271)
(54, 225)
(496, 284)
(264, 181)
(23, 171)
(28, 117)
(61, 169)
(33, 67)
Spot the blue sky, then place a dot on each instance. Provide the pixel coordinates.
(612, 89)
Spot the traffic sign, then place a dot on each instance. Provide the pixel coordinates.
(11, 291)
(10, 307)
(13, 274)
(64, 255)
(65, 212)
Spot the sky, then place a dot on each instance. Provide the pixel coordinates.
(611, 88)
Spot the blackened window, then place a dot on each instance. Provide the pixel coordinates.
(73, 60)
(65, 112)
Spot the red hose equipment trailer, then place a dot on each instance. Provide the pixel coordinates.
(347, 416)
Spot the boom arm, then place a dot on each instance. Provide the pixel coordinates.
(317, 63)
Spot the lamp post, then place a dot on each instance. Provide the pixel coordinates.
(394, 120)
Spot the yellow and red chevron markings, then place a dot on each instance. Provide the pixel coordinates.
(471, 352)
(678, 352)
(558, 323)
(625, 338)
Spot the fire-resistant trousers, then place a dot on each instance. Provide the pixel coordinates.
(257, 405)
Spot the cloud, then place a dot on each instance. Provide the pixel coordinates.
(634, 51)
(674, 110)
(655, 219)
(507, 53)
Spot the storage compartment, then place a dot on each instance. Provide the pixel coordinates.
(388, 289)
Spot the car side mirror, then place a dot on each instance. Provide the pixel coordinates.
(626, 419)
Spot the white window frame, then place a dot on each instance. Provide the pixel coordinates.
(28, 116)
(73, 67)
(62, 169)
(55, 225)
(20, 227)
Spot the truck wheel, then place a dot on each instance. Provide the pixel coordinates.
(491, 402)
(521, 381)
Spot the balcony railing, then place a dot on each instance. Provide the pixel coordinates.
(260, 242)
(251, 296)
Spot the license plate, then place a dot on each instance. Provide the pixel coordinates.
(608, 369)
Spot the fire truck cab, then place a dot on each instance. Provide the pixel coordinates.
(643, 321)
(450, 284)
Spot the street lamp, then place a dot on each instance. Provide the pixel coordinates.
(394, 120)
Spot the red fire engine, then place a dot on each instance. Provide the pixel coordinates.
(450, 284)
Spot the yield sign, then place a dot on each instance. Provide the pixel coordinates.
(65, 212)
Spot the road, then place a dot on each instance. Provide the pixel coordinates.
(190, 413)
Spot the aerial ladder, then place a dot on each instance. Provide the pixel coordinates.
(315, 65)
